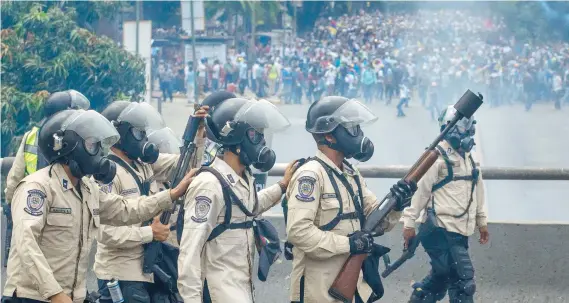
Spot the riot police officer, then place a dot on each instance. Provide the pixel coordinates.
(218, 242)
(140, 167)
(452, 193)
(28, 160)
(57, 210)
(328, 202)
(206, 150)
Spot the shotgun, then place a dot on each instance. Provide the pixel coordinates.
(161, 258)
(346, 282)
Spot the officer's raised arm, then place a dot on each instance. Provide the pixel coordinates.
(117, 210)
(272, 195)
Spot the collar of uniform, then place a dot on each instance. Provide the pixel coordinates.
(62, 177)
(64, 181)
(330, 163)
(228, 173)
(452, 154)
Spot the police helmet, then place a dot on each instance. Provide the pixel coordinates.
(325, 115)
(69, 99)
(134, 122)
(464, 126)
(232, 119)
(62, 133)
(214, 99)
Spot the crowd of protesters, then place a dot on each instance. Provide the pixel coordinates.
(430, 56)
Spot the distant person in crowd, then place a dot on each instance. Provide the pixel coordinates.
(190, 82)
(166, 77)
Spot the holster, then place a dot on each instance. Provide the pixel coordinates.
(370, 269)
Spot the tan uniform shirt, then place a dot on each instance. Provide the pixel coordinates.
(451, 199)
(17, 172)
(226, 261)
(120, 251)
(54, 226)
(319, 255)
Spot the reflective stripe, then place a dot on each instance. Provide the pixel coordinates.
(31, 151)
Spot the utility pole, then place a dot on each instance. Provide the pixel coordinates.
(137, 24)
(294, 21)
(195, 60)
(253, 29)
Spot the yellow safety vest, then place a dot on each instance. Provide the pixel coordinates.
(31, 151)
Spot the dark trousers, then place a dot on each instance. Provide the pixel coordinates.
(402, 102)
(18, 300)
(132, 291)
(166, 87)
(214, 85)
(451, 267)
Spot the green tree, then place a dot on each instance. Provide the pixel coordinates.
(43, 50)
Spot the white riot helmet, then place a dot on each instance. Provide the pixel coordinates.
(461, 136)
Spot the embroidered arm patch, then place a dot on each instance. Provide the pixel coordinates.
(106, 188)
(35, 201)
(203, 206)
(305, 189)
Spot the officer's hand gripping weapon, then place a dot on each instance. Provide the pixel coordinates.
(161, 258)
(186, 153)
(408, 253)
(345, 284)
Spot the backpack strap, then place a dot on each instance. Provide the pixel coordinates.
(229, 198)
(450, 173)
(144, 190)
(341, 216)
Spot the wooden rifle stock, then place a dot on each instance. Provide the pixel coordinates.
(346, 282)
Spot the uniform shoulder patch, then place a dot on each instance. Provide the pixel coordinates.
(106, 188)
(306, 188)
(35, 201)
(203, 206)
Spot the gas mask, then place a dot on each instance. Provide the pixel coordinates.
(253, 150)
(135, 144)
(352, 142)
(87, 159)
(461, 141)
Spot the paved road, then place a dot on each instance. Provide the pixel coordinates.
(523, 263)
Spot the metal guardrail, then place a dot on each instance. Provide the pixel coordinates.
(399, 171)
(488, 172)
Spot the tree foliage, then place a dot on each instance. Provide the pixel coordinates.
(266, 12)
(43, 50)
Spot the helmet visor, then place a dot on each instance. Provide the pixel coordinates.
(165, 139)
(78, 100)
(350, 114)
(92, 127)
(262, 115)
(464, 124)
(142, 116)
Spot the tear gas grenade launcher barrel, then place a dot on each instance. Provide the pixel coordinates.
(186, 153)
(345, 284)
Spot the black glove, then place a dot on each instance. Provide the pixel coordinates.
(360, 242)
(403, 191)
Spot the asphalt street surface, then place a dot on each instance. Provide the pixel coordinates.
(523, 263)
